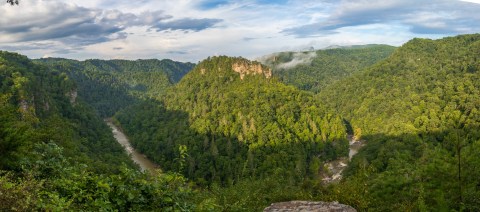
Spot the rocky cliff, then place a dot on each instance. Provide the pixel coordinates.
(245, 67)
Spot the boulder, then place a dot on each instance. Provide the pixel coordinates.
(305, 206)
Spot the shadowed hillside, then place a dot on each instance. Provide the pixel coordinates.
(110, 85)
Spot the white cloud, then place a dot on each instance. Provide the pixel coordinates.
(190, 30)
(298, 58)
(472, 1)
(421, 16)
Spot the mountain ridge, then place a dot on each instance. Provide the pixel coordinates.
(245, 139)
(418, 110)
(315, 70)
(110, 85)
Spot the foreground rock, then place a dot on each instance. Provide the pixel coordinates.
(308, 206)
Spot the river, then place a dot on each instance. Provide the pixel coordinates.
(140, 159)
(335, 168)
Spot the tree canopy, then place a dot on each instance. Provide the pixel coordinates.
(235, 127)
(315, 70)
(231, 135)
(419, 112)
(110, 85)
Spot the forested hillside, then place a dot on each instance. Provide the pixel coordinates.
(56, 154)
(419, 112)
(315, 70)
(40, 106)
(109, 85)
(231, 136)
(228, 121)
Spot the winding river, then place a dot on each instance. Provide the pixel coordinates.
(335, 168)
(140, 159)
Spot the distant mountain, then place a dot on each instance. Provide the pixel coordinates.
(420, 76)
(236, 121)
(109, 85)
(314, 70)
(353, 46)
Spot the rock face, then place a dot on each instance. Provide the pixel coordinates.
(305, 206)
(73, 96)
(253, 68)
(23, 106)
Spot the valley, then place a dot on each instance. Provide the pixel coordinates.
(375, 127)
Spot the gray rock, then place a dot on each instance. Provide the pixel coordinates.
(308, 206)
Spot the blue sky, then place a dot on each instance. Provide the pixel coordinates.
(191, 30)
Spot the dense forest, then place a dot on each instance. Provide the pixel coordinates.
(419, 112)
(110, 85)
(57, 154)
(236, 135)
(233, 127)
(315, 70)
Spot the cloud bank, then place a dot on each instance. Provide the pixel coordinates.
(298, 58)
(191, 30)
(80, 26)
(419, 16)
(187, 24)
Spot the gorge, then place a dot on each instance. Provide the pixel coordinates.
(232, 134)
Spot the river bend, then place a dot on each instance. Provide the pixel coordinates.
(140, 159)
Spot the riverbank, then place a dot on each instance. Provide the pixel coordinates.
(140, 159)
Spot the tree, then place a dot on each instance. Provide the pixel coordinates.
(357, 134)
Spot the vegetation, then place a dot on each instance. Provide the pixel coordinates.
(235, 128)
(52, 184)
(315, 70)
(56, 154)
(110, 85)
(419, 112)
(38, 106)
(231, 137)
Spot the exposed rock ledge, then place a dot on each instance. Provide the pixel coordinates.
(305, 206)
(73, 96)
(248, 67)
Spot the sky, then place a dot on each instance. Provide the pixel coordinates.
(192, 30)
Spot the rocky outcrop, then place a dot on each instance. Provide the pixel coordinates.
(73, 96)
(251, 68)
(46, 106)
(309, 206)
(23, 106)
(27, 109)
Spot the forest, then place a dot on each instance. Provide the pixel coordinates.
(236, 135)
(234, 128)
(315, 70)
(110, 85)
(419, 111)
(57, 154)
